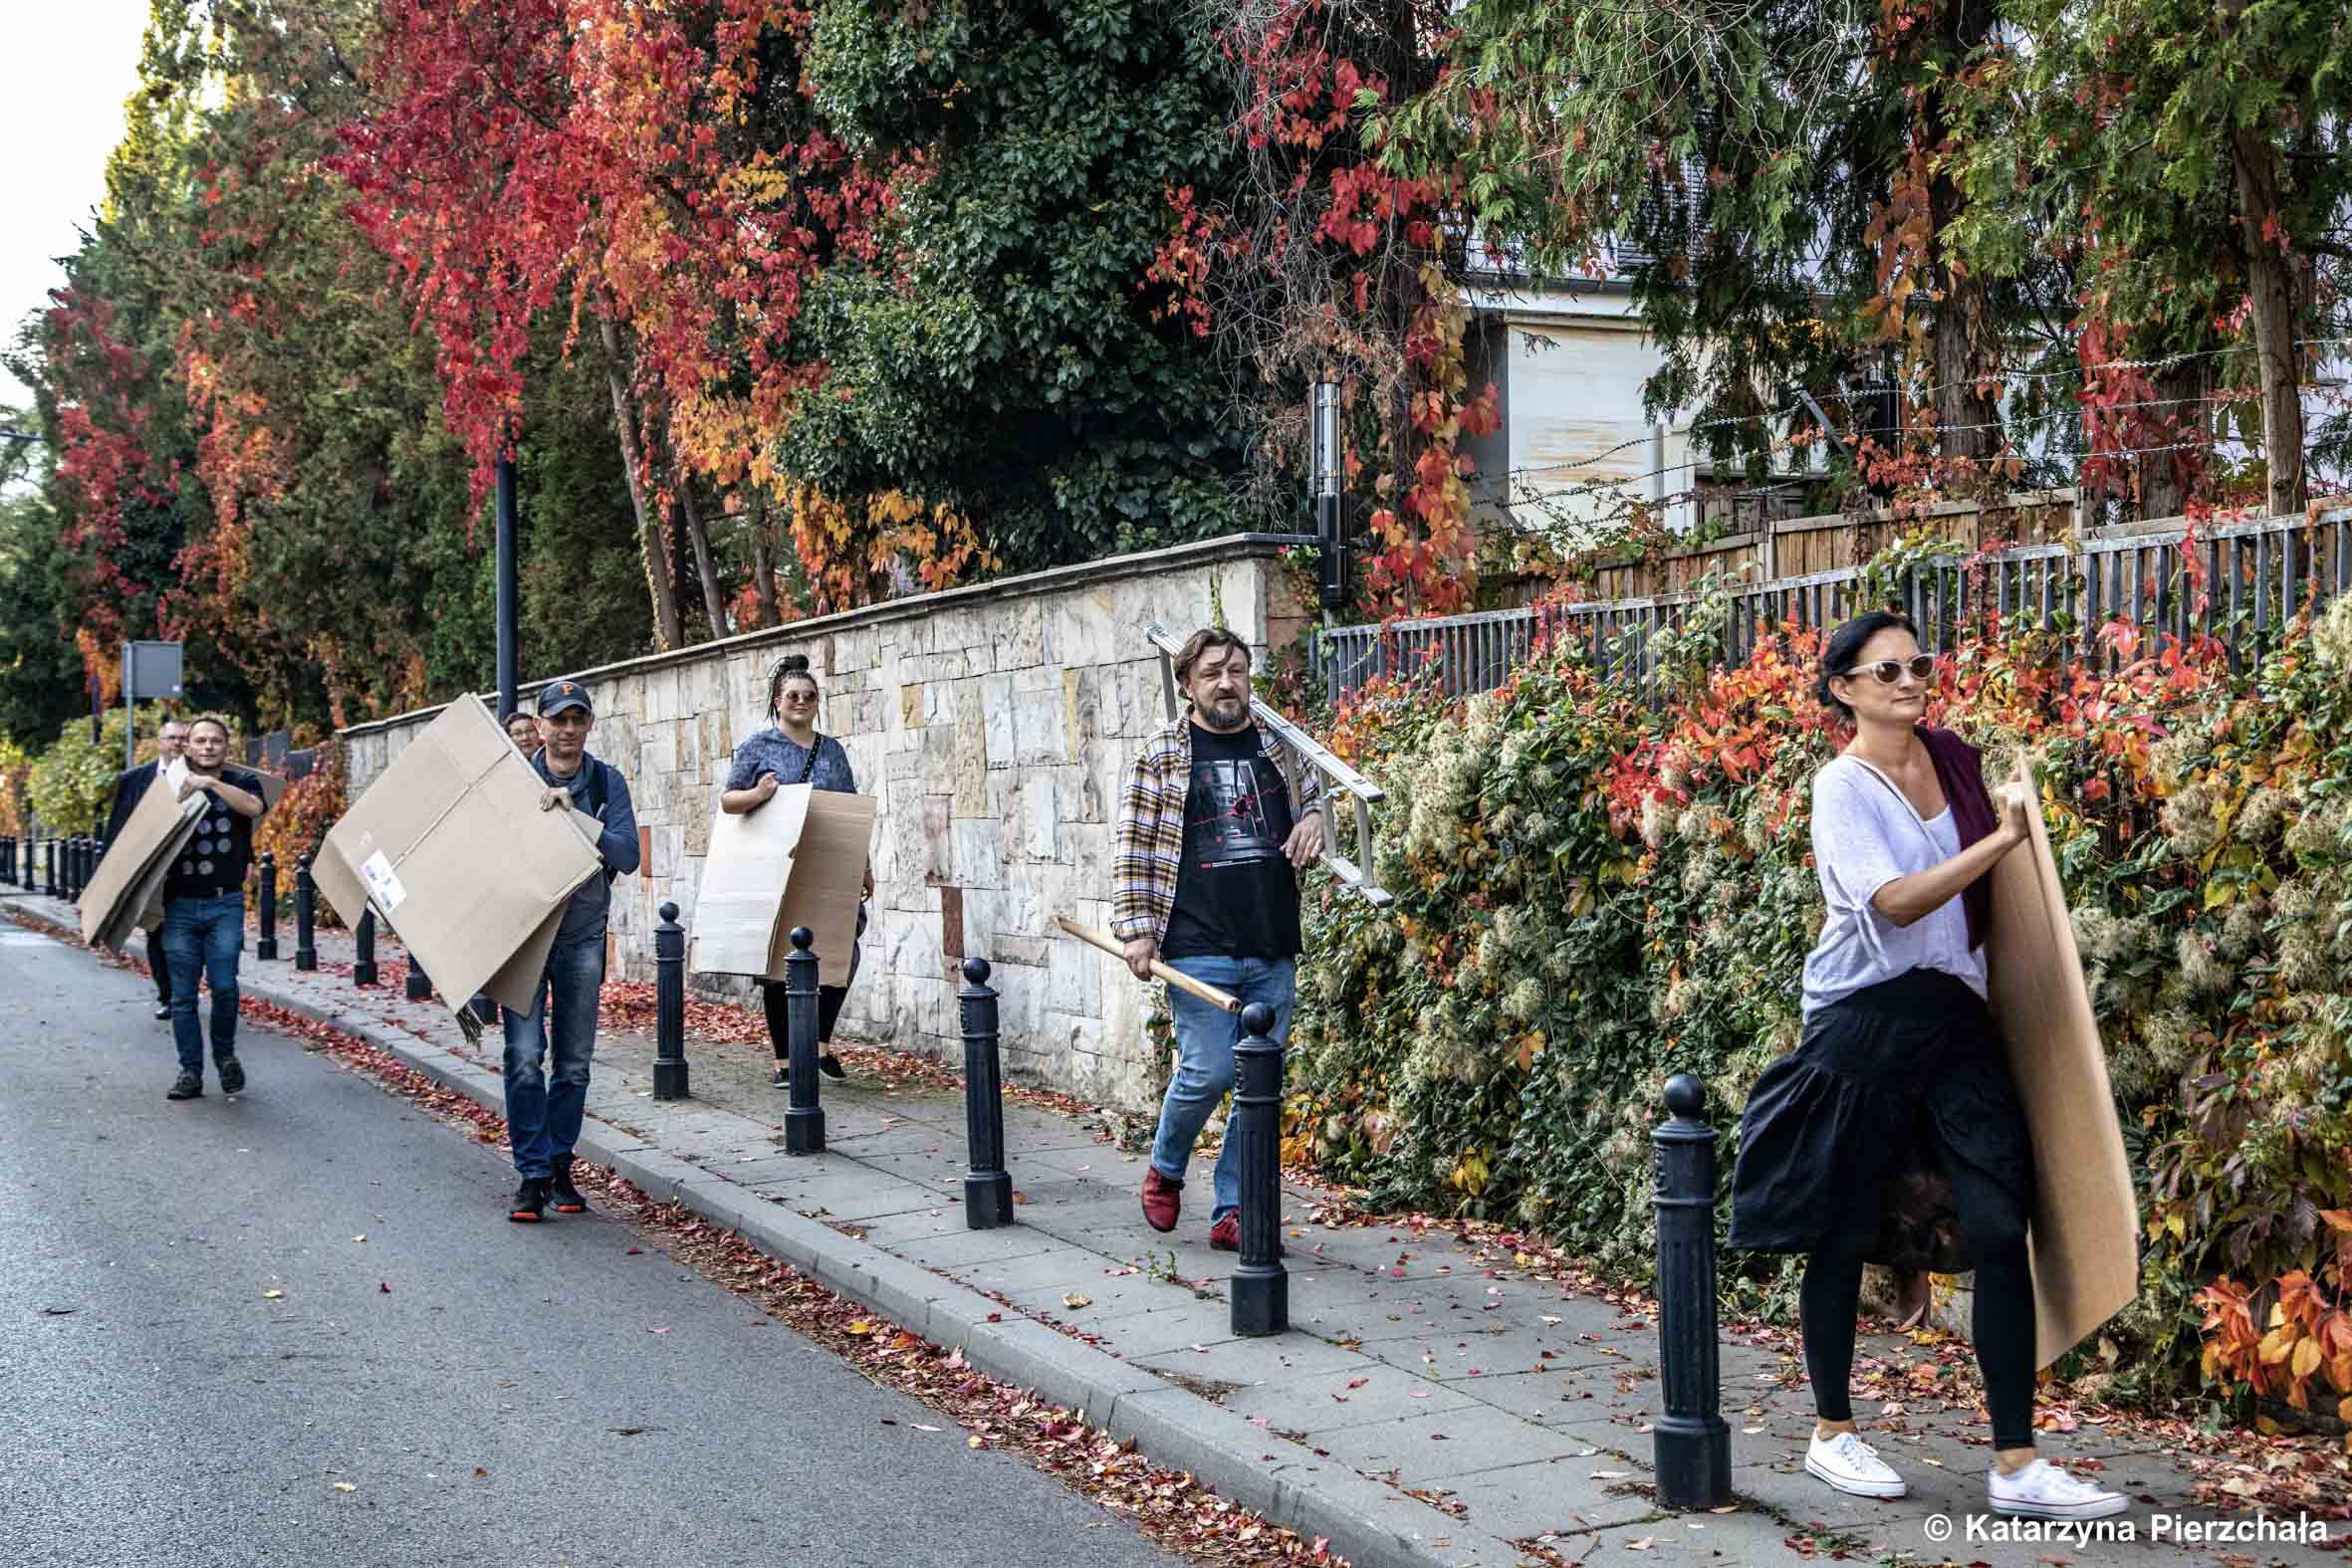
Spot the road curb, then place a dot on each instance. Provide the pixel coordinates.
(1176, 1428)
(1172, 1425)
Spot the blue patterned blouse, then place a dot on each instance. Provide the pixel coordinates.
(771, 752)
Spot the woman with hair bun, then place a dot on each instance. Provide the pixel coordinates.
(792, 752)
(1893, 1133)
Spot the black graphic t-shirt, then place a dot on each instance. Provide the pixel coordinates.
(215, 861)
(1235, 894)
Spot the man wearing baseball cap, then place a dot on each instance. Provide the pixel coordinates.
(543, 1111)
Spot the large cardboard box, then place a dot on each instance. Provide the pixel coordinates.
(450, 847)
(2087, 1223)
(126, 889)
(798, 860)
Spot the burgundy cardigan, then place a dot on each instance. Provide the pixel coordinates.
(1960, 770)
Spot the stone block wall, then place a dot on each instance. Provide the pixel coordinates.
(994, 726)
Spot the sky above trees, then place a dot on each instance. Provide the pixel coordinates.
(64, 71)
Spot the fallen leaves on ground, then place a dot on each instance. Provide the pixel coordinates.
(628, 1005)
(1169, 1506)
(2229, 1469)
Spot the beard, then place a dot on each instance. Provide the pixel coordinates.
(1228, 711)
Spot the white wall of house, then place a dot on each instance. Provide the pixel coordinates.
(1569, 366)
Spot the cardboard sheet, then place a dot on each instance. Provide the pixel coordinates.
(451, 848)
(125, 889)
(2086, 1222)
(798, 860)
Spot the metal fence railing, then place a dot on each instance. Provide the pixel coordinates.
(2242, 584)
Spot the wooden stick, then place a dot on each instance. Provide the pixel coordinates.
(1176, 978)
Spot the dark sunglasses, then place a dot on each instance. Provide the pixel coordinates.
(1889, 671)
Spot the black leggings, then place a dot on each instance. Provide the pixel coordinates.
(2001, 1325)
(828, 1010)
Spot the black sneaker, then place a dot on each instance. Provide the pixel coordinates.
(566, 1196)
(163, 1010)
(232, 1074)
(530, 1205)
(782, 1078)
(831, 1065)
(188, 1087)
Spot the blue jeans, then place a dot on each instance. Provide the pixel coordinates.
(543, 1110)
(1205, 1038)
(202, 939)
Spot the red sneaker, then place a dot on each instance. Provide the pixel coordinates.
(1226, 1234)
(1162, 1200)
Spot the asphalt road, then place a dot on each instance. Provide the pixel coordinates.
(464, 1377)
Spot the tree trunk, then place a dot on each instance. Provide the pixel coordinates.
(763, 561)
(1962, 335)
(714, 604)
(651, 547)
(2270, 291)
(2170, 477)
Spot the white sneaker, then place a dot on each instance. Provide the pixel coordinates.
(1852, 1466)
(2041, 1490)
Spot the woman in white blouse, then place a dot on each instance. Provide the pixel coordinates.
(1893, 1133)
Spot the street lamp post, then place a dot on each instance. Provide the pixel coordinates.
(509, 598)
(1330, 502)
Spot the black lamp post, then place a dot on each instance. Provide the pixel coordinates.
(509, 596)
(1329, 503)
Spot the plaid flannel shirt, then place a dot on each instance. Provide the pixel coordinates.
(1148, 848)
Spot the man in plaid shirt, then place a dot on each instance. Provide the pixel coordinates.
(1217, 820)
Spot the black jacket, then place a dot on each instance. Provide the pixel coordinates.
(130, 790)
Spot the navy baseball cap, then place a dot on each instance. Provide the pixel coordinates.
(560, 696)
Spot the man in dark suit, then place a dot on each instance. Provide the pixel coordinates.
(129, 789)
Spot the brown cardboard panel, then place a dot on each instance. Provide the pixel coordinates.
(451, 848)
(119, 890)
(2086, 1222)
(828, 873)
(145, 906)
(744, 874)
(798, 860)
(517, 979)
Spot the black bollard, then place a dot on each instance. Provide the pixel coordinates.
(987, 1188)
(49, 868)
(8, 858)
(89, 868)
(1261, 1285)
(363, 951)
(1694, 1447)
(77, 863)
(421, 985)
(306, 913)
(669, 1007)
(265, 945)
(803, 1119)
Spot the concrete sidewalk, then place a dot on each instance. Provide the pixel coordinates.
(1434, 1401)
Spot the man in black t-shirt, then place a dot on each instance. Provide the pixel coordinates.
(204, 908)
(1205, 878)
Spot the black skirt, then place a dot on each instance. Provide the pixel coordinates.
(1892, 1131)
